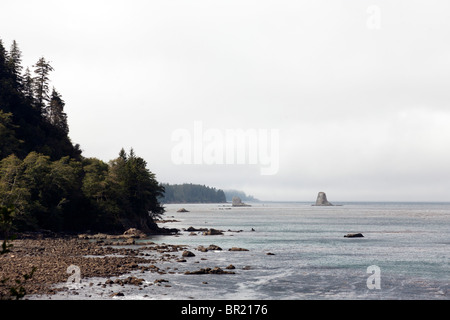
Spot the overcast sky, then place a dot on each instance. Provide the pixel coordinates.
(358, 91)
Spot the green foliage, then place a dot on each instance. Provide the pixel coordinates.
(43, 175)
(137, 190)
(8, 140)
(72, 195)
(31, 119)
(14, 188)
(95, 184)
(124, 193)
(192, 193)
(39, 189)
(101, 195)
(6, 225)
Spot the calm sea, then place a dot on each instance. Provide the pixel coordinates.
(404, 254)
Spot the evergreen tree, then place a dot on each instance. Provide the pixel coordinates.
(27, 87)
(55, 112)
(3, 54)
(15, 63)
(138, 192)
(101, 194)
(41, 83)
(8, 141)
(7, 85)
(192, 193)
(15, 191)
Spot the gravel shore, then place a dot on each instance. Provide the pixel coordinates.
(51, 258)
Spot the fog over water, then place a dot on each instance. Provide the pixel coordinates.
(357, 91)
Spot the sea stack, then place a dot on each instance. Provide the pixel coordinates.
(322, 200)
(237, 202)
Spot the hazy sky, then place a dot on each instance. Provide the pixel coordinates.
(357, 91)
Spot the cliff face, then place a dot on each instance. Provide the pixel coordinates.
(322, 200)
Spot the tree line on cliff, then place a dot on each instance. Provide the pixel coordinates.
(45, 181)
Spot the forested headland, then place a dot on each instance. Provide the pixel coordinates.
(231, 193)
(45, 182)
(192, 193)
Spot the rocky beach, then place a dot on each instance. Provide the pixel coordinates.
(40, 265)
(52, 256)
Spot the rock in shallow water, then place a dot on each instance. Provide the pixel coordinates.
(354, 235)
(237, 249)
(188, 254)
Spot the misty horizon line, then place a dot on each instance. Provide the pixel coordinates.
(334, 201)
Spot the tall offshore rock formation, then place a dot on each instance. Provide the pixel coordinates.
(322, 200)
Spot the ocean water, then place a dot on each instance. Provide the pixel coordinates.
(310, 258)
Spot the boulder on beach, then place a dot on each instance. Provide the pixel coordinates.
(182, 210)
(322, 200)
(130, 280)
(134, 233)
